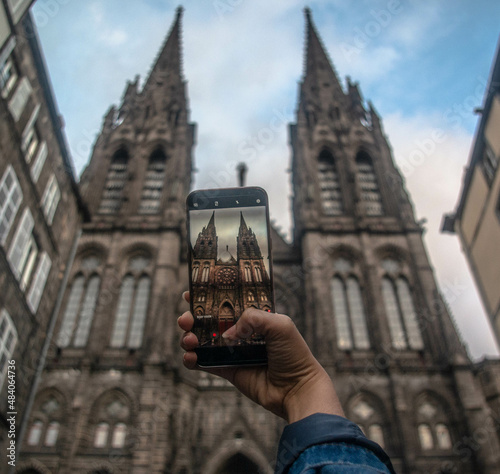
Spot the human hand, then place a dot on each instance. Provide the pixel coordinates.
(293, 385)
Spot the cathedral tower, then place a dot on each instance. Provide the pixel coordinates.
(373, 312)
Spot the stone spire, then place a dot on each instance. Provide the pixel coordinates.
(247, 245)
(206, 243)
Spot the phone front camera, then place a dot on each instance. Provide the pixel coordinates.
(258, 201)
(195, 204)
(216, 203)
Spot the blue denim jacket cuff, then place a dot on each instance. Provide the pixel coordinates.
(321, 428)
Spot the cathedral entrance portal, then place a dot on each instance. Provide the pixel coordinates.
(226, 317)
(239, 464)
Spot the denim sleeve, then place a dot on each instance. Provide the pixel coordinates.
(324, 443)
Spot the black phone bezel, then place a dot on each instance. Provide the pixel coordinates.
(224, 198)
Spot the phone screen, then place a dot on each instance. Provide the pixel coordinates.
(230, 266)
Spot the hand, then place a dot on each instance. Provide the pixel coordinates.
(293, 385)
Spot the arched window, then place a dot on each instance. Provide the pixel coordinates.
(112, 195)
(119, 435)
(51, 434)
(205, 273)
(109, 420)
(366, 412)
(425, 437)
(348, 308)
(251, 296)
(329, 184)
(101, 435)
(433, 424)
(196, 271)
(129, 325)
(368, 186)
(153, 183)
(258, 274)
(81, 305)
(401, 314)
(248, 273)
(47, 416)
(35, 433)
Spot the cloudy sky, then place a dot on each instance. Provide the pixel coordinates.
(424, 64)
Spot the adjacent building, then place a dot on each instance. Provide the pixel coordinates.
(40, 214)
(477, 217)
(356, 279)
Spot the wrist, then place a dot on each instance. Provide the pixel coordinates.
(315, 395)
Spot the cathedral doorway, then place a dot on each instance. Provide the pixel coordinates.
(226, 317)
(237, 464)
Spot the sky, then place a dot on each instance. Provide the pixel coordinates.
(424, 64)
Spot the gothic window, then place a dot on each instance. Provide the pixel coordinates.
(132, 305)
(47, 415)
(81, 304)
(400, 310)
(10, 200)
(251, 296)
(196, 271)
(366, 413)
(201, 296)
(112, 196)
(368, 186)
(205, 273)
(330, 192)
(348, 308)
(248, 273)
(153, 184)
(432, 424)
(8, 77)
(258, 274)
(109, 420)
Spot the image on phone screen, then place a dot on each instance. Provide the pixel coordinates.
(230, 270)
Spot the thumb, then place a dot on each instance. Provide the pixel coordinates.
(256, 321)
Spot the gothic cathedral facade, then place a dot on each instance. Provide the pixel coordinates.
(356, 279)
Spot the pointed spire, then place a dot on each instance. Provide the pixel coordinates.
(169, 60)
(211, 223)
(243, 224)
(317, 63)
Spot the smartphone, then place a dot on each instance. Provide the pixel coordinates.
(230, 269)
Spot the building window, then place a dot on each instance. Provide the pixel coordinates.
(32, 253)
(258, 274)
(8, 341)
(348, 307)
(101, 435)
(112, 196)
(401, 315)
(30, 144)
(153, 184)
(425, 437)
(490, 163)
(248, 273)
(81, 305)
(329, 184)
(365, 412)
(19, 99)
(432, 424)
(205, 273)
(40, 158)
(47, 413)
(368, 186)
(20, 246)
(113, 418)
(35, 433)
(50, 199)
(8, 77)
(10, 200)
(39, 280)
(196, 271)
(131, 311)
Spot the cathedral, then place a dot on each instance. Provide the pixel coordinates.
(225, 286)
(114, 396)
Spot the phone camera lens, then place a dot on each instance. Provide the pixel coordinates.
(258, 201)
(216, 203)
(195, 204)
